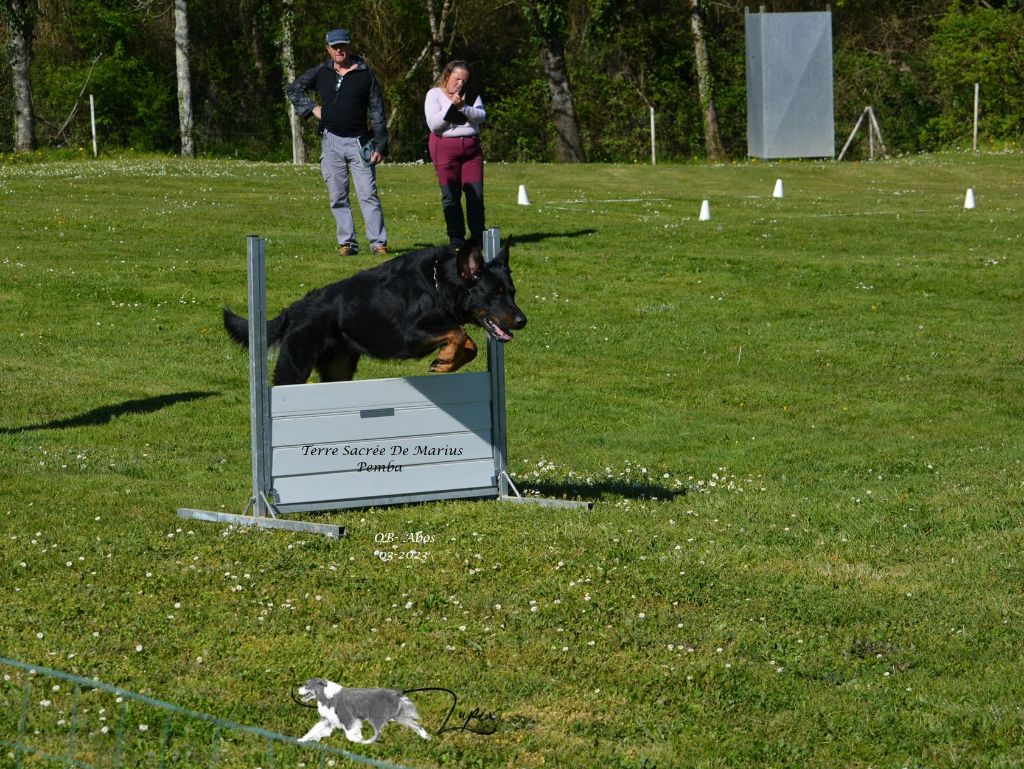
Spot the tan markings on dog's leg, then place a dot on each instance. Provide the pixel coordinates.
(464, 354)
(454, 341)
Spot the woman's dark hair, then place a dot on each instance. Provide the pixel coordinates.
(448, 69)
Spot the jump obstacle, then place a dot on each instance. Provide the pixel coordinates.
(370, 442)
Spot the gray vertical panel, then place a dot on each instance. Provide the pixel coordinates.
(789, 81)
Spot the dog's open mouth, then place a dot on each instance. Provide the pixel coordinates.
(496, 331)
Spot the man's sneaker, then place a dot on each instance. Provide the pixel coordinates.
(379, 250)
(347, 250)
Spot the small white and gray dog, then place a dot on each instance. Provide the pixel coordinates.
(346, 709)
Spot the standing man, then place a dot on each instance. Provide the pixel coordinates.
(348, 91)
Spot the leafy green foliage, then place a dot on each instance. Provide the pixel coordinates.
(896, 93)
(984, 46)
(135, 107)
(914, 63)
(644, 59)
(19, 15)
(517, 127)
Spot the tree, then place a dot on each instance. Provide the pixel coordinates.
(712, 142)
(546, 19)
(184, 78)
(19, 16)
(288, 65)
(438, 32)
(434, 50)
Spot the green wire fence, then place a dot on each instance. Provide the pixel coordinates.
(52, 718)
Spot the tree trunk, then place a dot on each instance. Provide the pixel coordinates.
(250, 16)
(438, 31)
(181, 43)
(568, 144)
(19, 15)
(288, 64)
(712, 140)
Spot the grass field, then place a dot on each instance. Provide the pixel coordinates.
(800, 422)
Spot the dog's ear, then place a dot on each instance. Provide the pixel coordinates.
(470, 261)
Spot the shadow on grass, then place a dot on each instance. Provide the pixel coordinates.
(537, 237)
(103, 414)
(599, 490)
(530, 237)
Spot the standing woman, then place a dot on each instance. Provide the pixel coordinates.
(454, 125)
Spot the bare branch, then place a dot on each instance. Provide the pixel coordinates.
(78, 101)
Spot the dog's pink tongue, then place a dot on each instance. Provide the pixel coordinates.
(497, 331)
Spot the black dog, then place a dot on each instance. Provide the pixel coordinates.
(406, 307)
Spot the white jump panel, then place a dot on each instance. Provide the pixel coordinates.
(431, 389)
(350, 456)
(349, 443)
(401, 480)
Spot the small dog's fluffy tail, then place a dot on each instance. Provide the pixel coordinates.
(238, 327)
(408, 716)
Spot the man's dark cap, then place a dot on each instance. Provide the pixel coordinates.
(338, 37)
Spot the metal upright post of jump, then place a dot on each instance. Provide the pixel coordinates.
(259, 402)
(261, 503)
(496, 370)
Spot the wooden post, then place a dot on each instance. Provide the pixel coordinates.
(878, 131)
(874, 132)
(976, 93)
(654, 154)
(853, 133)
(92, 121)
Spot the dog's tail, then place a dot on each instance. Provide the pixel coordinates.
(238, 327)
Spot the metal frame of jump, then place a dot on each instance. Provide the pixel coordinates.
(372, 442)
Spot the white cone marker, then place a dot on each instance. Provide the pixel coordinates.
(705, 211)
(523, 200)
(969, 198)
(777, 193)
